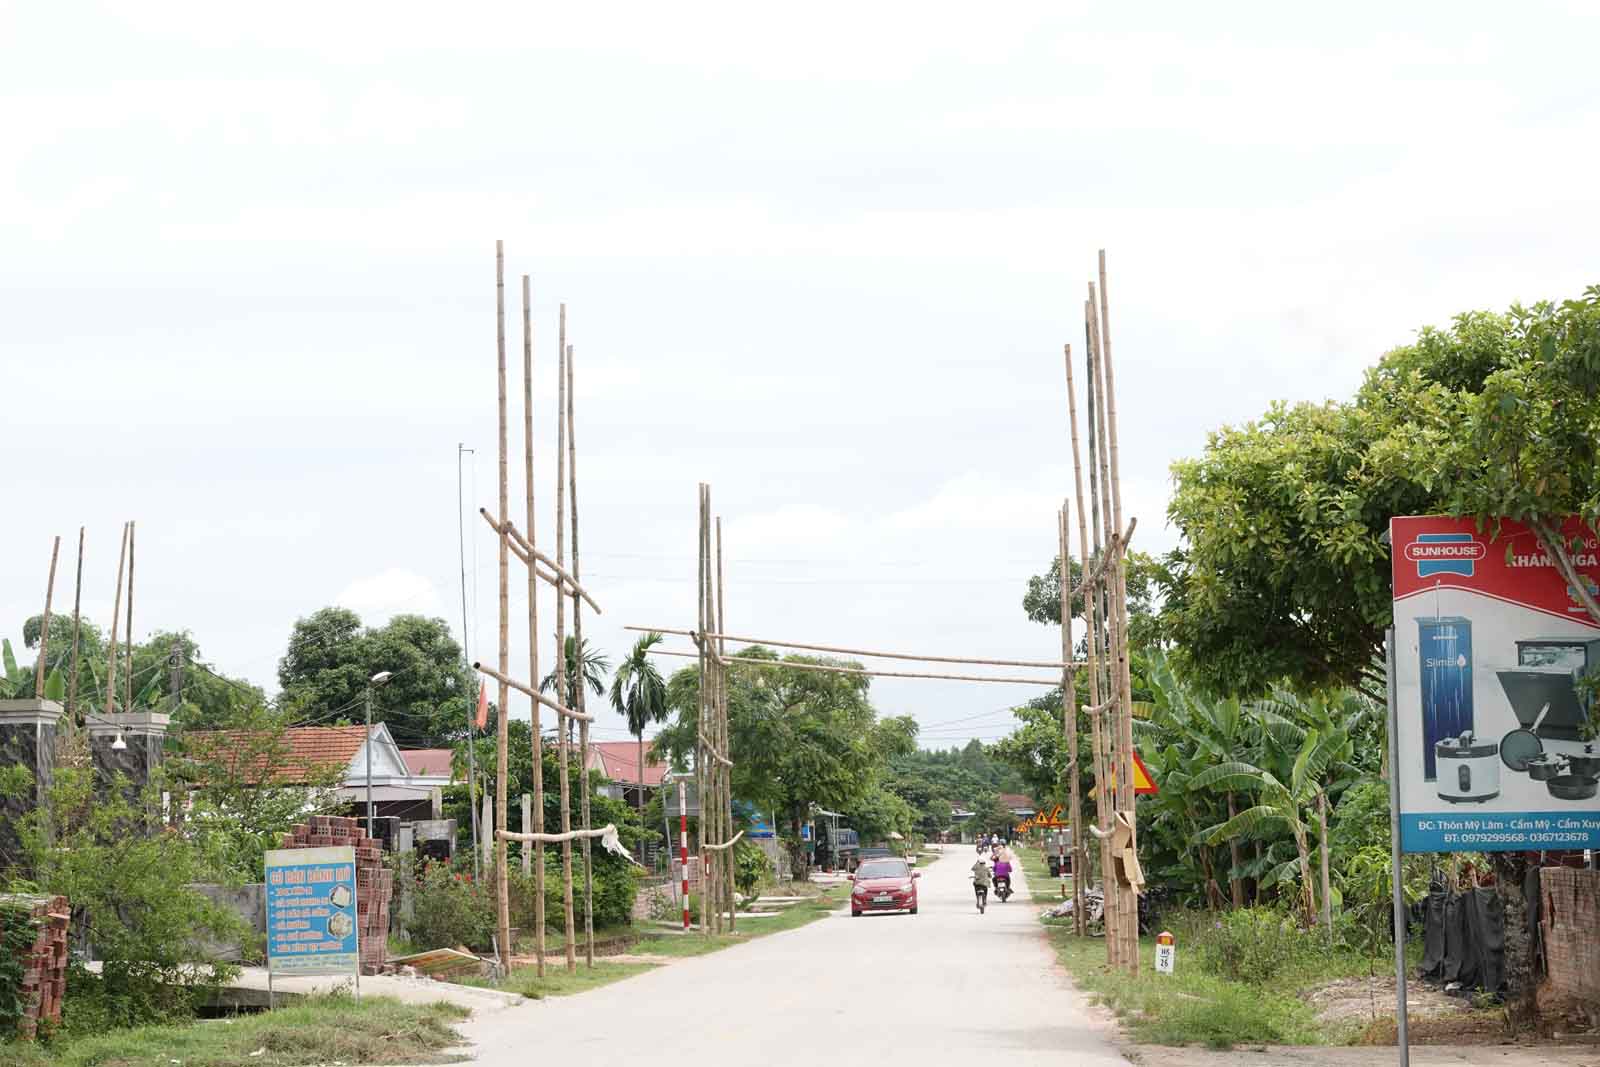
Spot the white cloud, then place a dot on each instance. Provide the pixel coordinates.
(395, 591)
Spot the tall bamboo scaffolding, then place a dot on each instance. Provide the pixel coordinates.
(537, 770)
(1126, 797)
(116, 614)
(77, 619)
(44, 623)
(564, 729)
(1092, 603)
(503, 711)
(578, 704)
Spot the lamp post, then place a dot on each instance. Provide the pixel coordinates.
(381, 678)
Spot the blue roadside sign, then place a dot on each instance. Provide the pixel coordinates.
(311, 911)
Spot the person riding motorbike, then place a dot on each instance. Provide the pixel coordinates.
(980, 883)
(1002, 876)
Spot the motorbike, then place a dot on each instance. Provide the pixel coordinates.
(1002, 887)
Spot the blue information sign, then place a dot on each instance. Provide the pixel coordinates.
(311, 911)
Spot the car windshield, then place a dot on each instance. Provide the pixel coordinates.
(884, 869)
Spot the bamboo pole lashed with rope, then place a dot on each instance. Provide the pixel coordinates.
(537, 770)
(502, 716)
(579, 694)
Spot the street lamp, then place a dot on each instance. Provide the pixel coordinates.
(381, 678)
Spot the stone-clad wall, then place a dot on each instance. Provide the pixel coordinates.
(27, 740)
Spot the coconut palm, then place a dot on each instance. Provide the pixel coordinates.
(584, 667)
(639, 694)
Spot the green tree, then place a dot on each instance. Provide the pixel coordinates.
(585, 668)
(331, 656)
(639, 694)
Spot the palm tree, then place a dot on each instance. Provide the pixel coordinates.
(639, 694)
(593, 673)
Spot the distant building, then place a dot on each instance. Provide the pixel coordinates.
(619, 762)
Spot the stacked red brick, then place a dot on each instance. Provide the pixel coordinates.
(44, 967)
(374, 882)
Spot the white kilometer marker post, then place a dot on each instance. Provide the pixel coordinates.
(1166, 953)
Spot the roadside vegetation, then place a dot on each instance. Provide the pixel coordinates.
(320, 1030)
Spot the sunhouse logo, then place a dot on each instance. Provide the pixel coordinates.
(1445, 553)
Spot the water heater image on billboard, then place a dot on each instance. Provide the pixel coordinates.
(1496, 669)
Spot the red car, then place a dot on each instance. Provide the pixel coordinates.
(884, 885)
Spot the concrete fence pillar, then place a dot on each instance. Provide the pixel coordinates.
(27, 740)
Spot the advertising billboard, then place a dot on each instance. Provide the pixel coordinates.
(311, 911)
(1496, 670)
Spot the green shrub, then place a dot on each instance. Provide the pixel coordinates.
(451, 908)
(1251, 945)
(129, 879)
(751, 867)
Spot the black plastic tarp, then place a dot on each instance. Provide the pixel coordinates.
(1464, 939)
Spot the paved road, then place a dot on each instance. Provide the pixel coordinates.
(944, 988)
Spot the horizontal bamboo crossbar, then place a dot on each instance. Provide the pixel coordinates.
(736, 660)
(527, 553)
(1120, 548)
(726, 844)
(528, 690)
(556, 839)
(863, 652)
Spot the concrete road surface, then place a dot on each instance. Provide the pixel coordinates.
(945, 988)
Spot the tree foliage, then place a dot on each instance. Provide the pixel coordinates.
(331, 656)
(1282, 574)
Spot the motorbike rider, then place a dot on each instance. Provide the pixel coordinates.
(980, 882)
(1002, 873)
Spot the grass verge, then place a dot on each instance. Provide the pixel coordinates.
(557, 982)
(318, 1030)
(1188, 1007)
(697, 944)
(1042, 888)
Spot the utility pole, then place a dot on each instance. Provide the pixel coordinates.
(369, 759)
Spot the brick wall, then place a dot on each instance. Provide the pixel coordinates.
(1569, 920)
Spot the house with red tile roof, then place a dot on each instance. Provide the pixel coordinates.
(619, 761)
(402, 783)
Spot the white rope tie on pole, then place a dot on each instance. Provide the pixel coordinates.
(726, 844)
(607, 835)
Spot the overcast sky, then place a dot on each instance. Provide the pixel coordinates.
(823, 258)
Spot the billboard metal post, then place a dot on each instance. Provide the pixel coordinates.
(1402, 1039)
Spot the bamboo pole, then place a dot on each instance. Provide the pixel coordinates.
(1127, 800)
(44, 623)
(723, 735)
(736, 659)
(580, 702)
(77, 618)
(1115, 899)
(524, 550)
(711, 804)
(503, 711)
(1048, 664)
(1091, 598)
(701, 761)
(533, 630)
(529, 691)
(563, 734)
(116, 615)
(127, 638)
(1069, 715)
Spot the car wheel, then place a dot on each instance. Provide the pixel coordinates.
(913, 909)
(854, 914)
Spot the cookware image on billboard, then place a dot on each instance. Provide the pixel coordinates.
(1496, 671)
